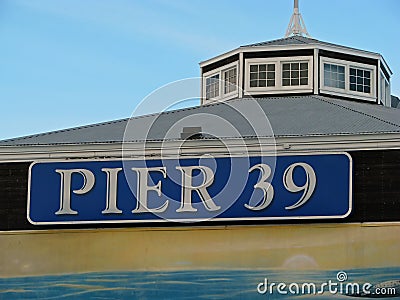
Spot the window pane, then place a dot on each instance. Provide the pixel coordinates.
(286, 67)
(212, 86)
(294, 74)
(361, 81)
(253, 68)
(271, 82)
(230, 80)
(334, 77)
(262, 74)
(327, 67)
(286, 74)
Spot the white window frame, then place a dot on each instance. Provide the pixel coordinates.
(218, 85)
(221, 72)
(223, 78)
(279, 88)
(260, 61)
(346, 75)
(346, 91)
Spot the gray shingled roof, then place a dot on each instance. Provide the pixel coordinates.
(288, 115)
(298, 40)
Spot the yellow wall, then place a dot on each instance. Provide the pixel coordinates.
(314, 246)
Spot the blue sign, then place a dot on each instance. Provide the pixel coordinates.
(308, 186)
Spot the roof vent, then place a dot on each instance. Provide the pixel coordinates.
(296, 27)
(191, 133)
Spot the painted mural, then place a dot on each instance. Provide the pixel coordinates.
(222, 262)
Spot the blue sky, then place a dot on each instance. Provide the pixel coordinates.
(65, 63)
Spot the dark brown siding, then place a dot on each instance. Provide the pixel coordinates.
(220, 63)
(383, 69)
(376, 193)
(348, 57)
(282, 53)
(376, 183)
(13, 192)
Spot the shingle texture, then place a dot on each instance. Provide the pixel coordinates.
(287, 116)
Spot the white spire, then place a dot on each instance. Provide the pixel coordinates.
(296, 24)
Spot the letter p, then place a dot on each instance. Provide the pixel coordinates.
(65, 188)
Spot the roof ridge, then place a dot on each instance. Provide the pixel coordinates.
(324, 99)
(267, 42)
(297, 38)
(301, 38)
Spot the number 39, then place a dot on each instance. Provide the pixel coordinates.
(268, 190)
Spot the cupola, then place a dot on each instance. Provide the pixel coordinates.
(296, 64)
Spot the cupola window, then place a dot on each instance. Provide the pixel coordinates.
(262, 75)
(334, 76)
(212, 86)
(230, 79)
(345, 78)
(360, 80)
(278, 75)
(295, 74)
(221, 83)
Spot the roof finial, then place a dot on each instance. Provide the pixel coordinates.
(296, 25)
